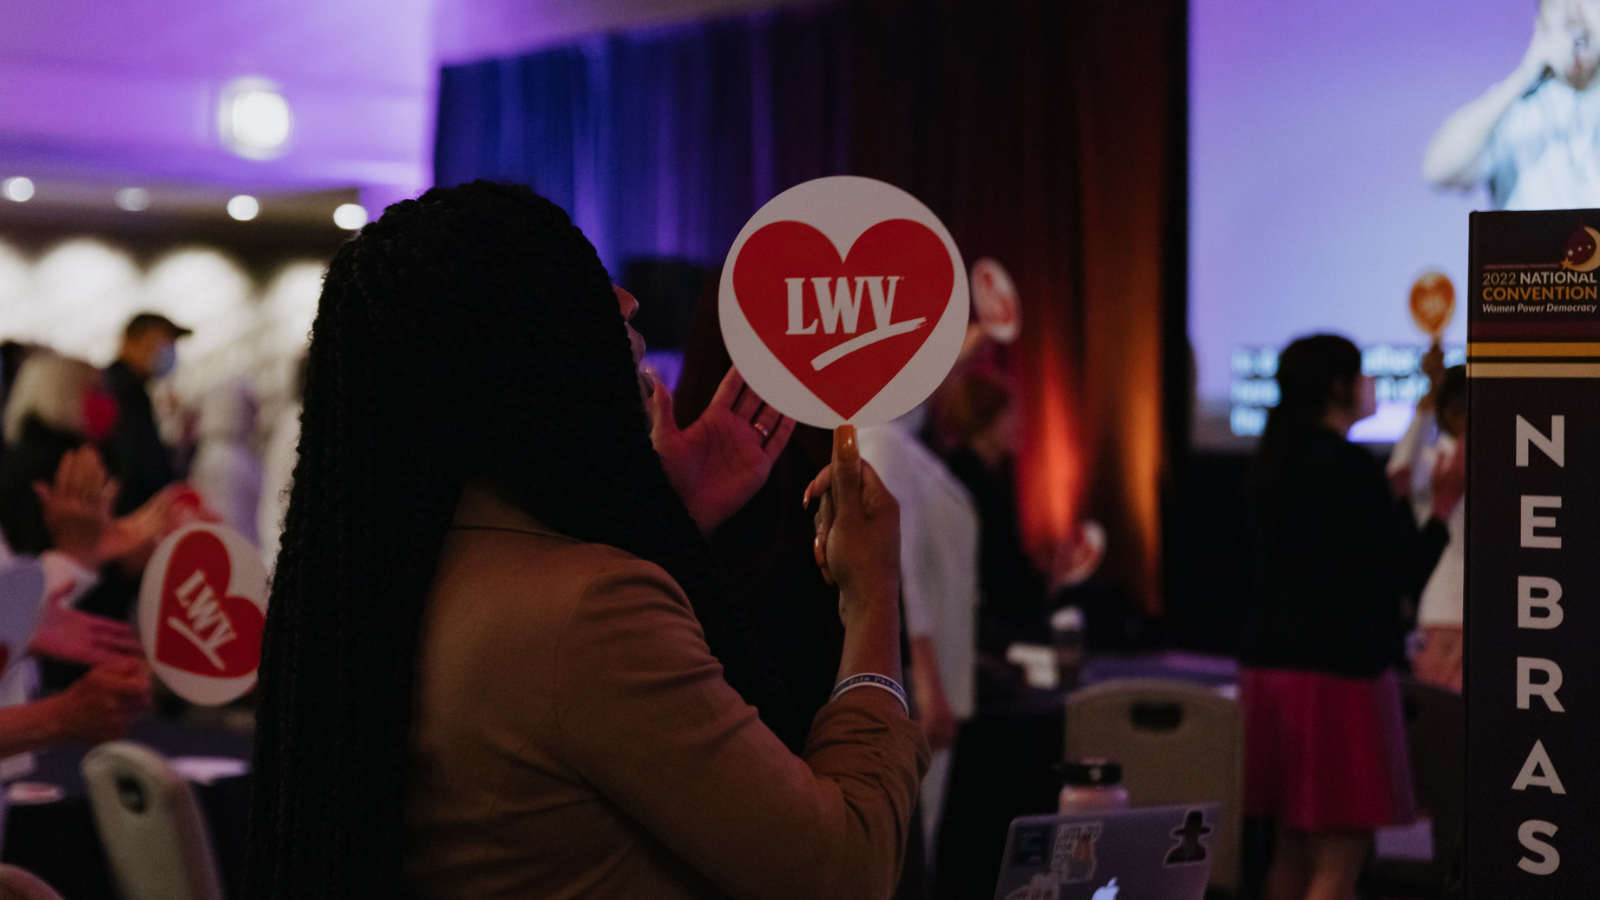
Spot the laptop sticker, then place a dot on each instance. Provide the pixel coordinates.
(1189, 850)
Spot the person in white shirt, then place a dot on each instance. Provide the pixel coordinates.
(938, 587)
(1534, 137)
(1440, 612)
(1440, 606)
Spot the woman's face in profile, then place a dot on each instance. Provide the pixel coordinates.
(629, 306)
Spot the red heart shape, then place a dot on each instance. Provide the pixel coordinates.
(203, 630)
(844, 327)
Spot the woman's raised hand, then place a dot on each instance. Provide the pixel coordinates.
(720, 461)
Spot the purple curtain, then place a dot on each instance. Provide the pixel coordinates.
(660, 143)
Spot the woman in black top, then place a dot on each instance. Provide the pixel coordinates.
(1334, 552)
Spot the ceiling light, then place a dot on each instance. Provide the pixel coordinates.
(133, 199)
(350, 216)
(243, 207)
(254, 119)
(19, 189)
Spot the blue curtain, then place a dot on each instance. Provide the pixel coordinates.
(659, 143)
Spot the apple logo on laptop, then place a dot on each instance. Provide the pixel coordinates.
(1109, 892)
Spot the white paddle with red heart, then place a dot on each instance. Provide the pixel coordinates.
(843, 300)
(202, 610)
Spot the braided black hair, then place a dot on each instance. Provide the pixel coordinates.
(470, 334)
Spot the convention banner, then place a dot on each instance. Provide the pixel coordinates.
(1533, 556)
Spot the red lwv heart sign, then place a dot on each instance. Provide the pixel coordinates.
(204, 630)
(841, 302)
(202, 612)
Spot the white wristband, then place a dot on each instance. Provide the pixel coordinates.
(868, 679)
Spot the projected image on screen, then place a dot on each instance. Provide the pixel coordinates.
(1336, 150)
(1532, 136)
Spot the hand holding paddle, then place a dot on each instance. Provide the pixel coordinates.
(857, 546)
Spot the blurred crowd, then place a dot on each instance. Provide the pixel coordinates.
(97, 466)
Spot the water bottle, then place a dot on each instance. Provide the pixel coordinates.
(1091, 785)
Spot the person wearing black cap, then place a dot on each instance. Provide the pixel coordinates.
(133, 451)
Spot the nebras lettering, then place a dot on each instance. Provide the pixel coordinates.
(1539, 609)
(837, 305)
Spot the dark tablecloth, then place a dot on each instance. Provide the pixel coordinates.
(1000, 769)
(58, 842)
(1003, 759)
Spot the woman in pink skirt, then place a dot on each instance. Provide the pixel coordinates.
(1334, 551)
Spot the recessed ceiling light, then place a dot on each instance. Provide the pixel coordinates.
(133, 199)
(350, 216)
(254, 118)
(19, 189)
(243, 207)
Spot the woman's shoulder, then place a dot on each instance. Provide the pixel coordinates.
(524, 559)
(501, 556)
(523, 603)
(1335, 450)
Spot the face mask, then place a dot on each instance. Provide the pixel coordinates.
(166, 359)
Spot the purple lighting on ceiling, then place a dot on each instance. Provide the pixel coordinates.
(94, 88)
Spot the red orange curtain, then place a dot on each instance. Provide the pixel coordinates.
(1047, 134)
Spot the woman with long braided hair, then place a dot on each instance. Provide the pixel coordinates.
(498, 661)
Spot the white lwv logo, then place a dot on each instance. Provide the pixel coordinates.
(204, 614)
(838, 306)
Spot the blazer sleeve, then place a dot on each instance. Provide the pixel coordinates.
(647, 719)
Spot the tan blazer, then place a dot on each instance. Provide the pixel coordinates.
(574, 737)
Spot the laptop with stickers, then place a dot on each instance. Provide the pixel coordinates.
(1146, 853)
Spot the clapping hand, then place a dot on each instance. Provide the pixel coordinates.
(131, 539)
(77, 505)
(102, 704)
(72, 636)
(719, 461)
